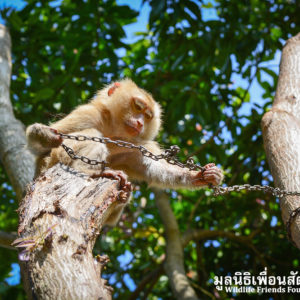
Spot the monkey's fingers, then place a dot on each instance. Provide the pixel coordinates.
(209, 166)
(53, 130)
(55, 137)
(213, 175)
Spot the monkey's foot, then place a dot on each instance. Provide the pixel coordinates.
(125, 185)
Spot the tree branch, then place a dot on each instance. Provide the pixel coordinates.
(62, 214)
(174, 265)
(152, 276)
(281, 131)
(193, 211)
(6, 239)
(203, 234)
(18, 162)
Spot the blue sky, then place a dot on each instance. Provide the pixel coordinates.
(14, 3)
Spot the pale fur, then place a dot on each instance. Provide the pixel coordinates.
(106, 116)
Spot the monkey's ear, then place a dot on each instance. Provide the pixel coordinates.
(113, 88)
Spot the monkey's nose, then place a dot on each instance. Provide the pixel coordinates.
(139, 124)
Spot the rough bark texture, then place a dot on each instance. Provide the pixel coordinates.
(63, 212)
(281, 132)
(18, 162)
(174, 265)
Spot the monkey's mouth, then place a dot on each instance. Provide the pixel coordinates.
(133, 130)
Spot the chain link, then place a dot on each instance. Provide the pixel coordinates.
(169, 155)
(92, 162)
(219, 190)
(277, 192)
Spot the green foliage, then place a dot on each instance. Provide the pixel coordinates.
(190, 59)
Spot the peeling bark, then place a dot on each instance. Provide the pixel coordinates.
(281, 132)
(63, 212)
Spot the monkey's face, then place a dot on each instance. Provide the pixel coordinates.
(139, 117)
(134, 114)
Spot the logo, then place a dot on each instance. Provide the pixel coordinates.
(244, 282)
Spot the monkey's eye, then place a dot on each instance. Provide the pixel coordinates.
(148, 114)
(138, 104)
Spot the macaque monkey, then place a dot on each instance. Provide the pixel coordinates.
(121, 111)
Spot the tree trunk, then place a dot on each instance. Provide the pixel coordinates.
(61, 217)
(174, 265)
(17, 160)
(281, 132)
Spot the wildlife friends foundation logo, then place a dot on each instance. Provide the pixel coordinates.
(263, 283)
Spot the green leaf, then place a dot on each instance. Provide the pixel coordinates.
(43, 94)
(276, 33)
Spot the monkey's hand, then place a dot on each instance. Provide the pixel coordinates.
(42, 138)
(211, 175)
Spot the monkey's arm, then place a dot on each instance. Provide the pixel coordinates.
(89, 149)
(160, 173)
(41, 138)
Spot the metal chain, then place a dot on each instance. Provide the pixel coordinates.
(169, 155)
(92, 162)
(277, 192)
